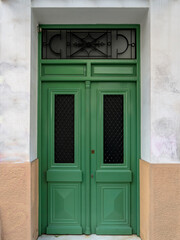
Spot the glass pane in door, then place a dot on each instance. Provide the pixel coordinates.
(64, 128)
(113, 129)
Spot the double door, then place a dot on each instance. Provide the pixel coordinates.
(89, 159)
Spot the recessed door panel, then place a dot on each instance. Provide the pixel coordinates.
(113, 208)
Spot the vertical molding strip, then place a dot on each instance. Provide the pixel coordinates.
(87, 154)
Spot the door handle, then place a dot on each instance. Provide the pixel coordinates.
(92, 175)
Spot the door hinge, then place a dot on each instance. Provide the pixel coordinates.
(39, 29)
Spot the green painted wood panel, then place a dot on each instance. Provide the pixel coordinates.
(64, 175)
(64, 69)
(113, 189)
(64, 208)
(63, 181)
(114, 70)
(113, 209)
(113, 176)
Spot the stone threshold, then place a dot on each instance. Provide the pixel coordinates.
(88, 237)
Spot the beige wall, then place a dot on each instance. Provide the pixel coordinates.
(144, 200)
(34, 198)
(159, 201)
(18, 200)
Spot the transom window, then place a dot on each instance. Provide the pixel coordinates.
(89, 44)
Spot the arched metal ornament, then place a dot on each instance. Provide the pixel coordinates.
(89, 44)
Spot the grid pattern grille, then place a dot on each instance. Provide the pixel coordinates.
(64, 128)
(113, 129)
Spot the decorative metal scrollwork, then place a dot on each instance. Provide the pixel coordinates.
(51, 44)
(89, 44)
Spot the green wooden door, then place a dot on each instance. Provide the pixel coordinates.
(89, 178)
(113, 159)
(63, 158)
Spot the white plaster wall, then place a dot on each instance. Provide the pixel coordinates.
(14, 80)
(165, 81)
(33, 87)
(90, 3)
(145, 89)
(89, 15)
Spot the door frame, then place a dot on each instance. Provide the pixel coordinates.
(87, 80)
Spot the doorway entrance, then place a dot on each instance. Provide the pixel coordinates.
(88, 141)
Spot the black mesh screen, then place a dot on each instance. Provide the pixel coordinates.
(113, 129)
(64, 128)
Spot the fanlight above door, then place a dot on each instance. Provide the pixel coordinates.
(89, 44)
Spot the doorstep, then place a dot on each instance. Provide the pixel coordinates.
(87, 237)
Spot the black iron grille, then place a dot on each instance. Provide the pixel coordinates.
(113, 129)
(89, 44)
(64, 128)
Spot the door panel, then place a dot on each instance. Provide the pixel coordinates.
(65, 143)
(64, 208)
(112, 118)
(113, 208)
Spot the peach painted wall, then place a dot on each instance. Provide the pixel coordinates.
(34, 198)
(144, 200)
(160, 201)
(19, 200)
(15, 201)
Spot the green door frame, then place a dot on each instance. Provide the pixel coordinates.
(135, 78)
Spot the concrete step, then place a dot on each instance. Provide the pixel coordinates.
(87, 237)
